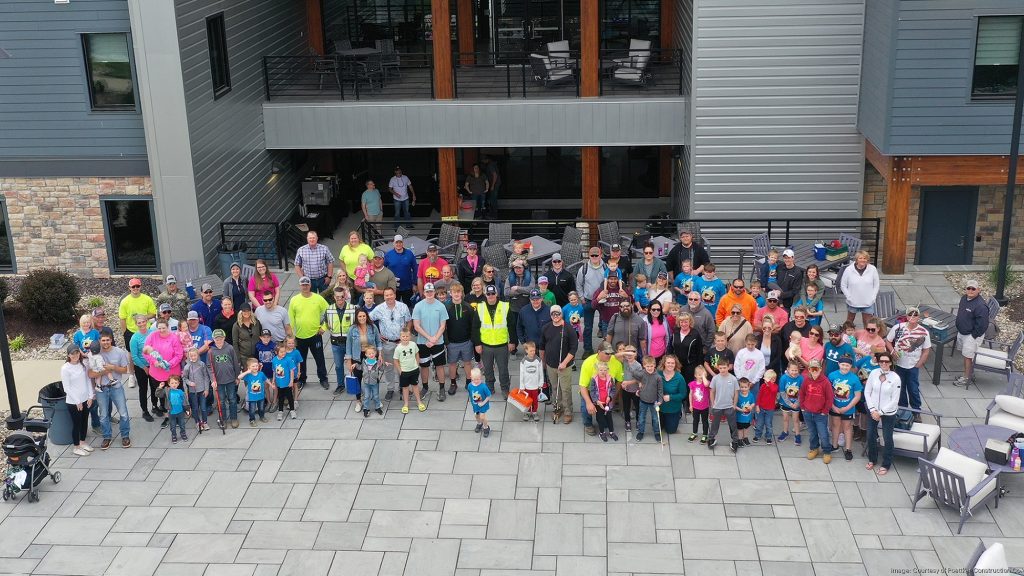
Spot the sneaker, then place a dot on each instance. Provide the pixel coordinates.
(657, 437)
(479, 427)
(339, 391)
(757, 439)
(441, 394)
(812, 454)
(325, 385)
(629, 426)
(734, 446)
(842, 438)
(291, 414)
(783, 436)
(263, 419)
(147, 416)
(379, 411)
(827, 458)
(272, 408)
(797, 440)
(604, 436)
(590, 430)
(88, 448)
(405, 409)
(768, 440)
(280, 416)
(252, 423)
(105, 444)
(704, 439)
(426, 387)
(165, 423)
(711, 443)
(422, 407)
(526, 416)
(131, 382)
(614, 436)
(848, 454)
(357, 405)
(691, 437)
(126, 442)
(81, 452)
(234, 423)
(174, 439)
(366, 413)
(389, 395)
(746, 442)
(452, 390)
(184, 437)
(487, 432)
(640, 436)
(960, 381)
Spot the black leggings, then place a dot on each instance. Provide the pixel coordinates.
(285, 394)
(702, 416)
(147, 387)
(604, 421)
(630, 404)
(79, 423)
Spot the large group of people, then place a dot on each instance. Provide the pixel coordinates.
(651, 339)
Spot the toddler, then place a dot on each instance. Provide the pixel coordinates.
(372, 369)
(611, 269)
(812, 302)
(407, 364)
(767, 395)
(725, 391)
(255, 382)
(95, 362)
(363, 272)
(683, 283)
(86, 334)
(176, 402)
(196, 375)
(284, 381)
(849, 334)
(700, 402)
(745, 403)
(574, 312)
(793, 353)
(602, 393)
(531, 379)
(789, 402)
(641, 299)
(650, 391)
(480, 399)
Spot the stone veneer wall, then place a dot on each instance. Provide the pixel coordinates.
(989, 224)
(56, 222)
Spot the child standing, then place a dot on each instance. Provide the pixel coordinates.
(265, 352)
(531, 379)
(632, 371)
(789, 402)
(683, 283)
(480, 397)
(284, 381)
(602, 394)
(767, 395)
(371, 382)
(725, 391)
(700, 402)
(711, 288)
(197, 381)
(718, 354)
(651, 389)
(176, 401)
(745, 402)
(846, 393)
(573, 311)
(407, 363)
(750, 361)
(296, 358)
(255, 382)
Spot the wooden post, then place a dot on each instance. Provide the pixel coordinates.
(315, 26)
(448, 181)
(591, 176)
(464, 19)
(894, 245)
(667, 31)
(590, 25)
(664, 171)
(441, 29)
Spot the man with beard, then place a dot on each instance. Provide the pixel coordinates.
(703, 321)
(558, 344)
(687, 249)
(560, 280)
(627, 327)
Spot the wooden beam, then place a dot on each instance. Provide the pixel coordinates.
(442, 40)
(590, 46)
(448, 181)
(897, 212)
(962, 170)
(880, 161)
(315, 26)
(668, 23)
(464, 20)
(664, 171)
(591, 173)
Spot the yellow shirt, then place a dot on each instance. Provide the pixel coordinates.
(589, 369)
(350, 257)
(306, 314)
(132, 305)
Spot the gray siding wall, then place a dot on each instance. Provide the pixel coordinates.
(232, 166)
(44, 98)
(775, 108)
(932, 112)
(876, 70)
(501, 123)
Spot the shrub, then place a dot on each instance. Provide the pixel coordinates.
(18, 343)
(49, 296)
(1012, 276)
(5, 290)
(95, 302)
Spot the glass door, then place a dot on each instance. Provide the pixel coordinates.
(525, 26)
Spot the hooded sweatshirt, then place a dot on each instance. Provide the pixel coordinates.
(198, 374)
(703, 323)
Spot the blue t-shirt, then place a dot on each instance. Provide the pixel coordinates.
(265, 354)
(372, 200)
(283, 368)
(569, 312)
(844, 387)
(295, 357)
(773, 272)
(84, 340)
(816, 306)
(430, 316)
(403, 266)
(478, 392)
(789, 391)
(201, 337)
(745, 401)
(761, 302)
(684, 282)
(254, 386)
(176, 398)
(834, 353)
(640, 297)
(711, 291)
(865, 365)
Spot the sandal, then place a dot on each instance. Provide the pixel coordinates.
(869, 466)
(883, 471)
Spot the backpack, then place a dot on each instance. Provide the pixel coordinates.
(904, 419)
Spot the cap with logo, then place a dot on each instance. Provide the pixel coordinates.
(218, 333)
(913, 310)
(193, 315)
(844, 359)
(814, 364)
(616, 248)
(165, 307)
(972, 283)
(428, 287)
(432, 248)
(170, 279)
(834, 329)
(535, 295)
(605, 348)
(542, 280)
(473, 245)
(491, 290)
(265, 332)
(774, 295)
(207, 288)
(378, 254)
(99, 312)
(305, 281)
(787, 253)
(398, 238)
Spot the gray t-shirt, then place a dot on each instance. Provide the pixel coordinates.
(430, 316)
(225, 364)
(725, 388)
(274, 320)
(117, 357)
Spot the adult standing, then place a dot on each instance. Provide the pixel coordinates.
(736, 328)
(470, 266)
(381, 277)
(910, 344)
(174, 297)
(274, 318)
(558, 344)
(362, 335)
(459, 333)
(477, 187)
(812, 346)
(771, 308)
(403, 193)
(493, 185)
(860, 284)
(79, 398)
(306, 311)
(605, 353)
(164, 352)
(402, 263)
(224, 369)
(245, 333)
(703, 321)
(338, 320)
(770, 343)
(816, 399)
(373, 206)
(491, 336)
(790, 279)
(799, 324)
(391, 318)
(531, 319)
(263, 283)
(147, 386)
(687, 249)
(560, 280)
(589, 280)
(429, 268)
(350, 253)
(200, 334)
(314, 261)
(429, 318)
(738, 295)
(882, 395)
(972, 317)
(627, 327)
(659, 332)
(235, 287)
(111, 389)
(134, 303)
(207, 307)
(518, 286)
(676, 392)
(650, 266)
(227, 319)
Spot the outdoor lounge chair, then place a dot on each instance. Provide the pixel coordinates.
(988, 560)
(1007, 409)
(633, 68)
(920, 441)
(956, 481)
(549, 72)
(999, 358)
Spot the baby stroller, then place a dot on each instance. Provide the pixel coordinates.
(29, 462)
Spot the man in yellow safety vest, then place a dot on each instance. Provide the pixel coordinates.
(490, 334)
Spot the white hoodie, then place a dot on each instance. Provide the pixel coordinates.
(883, 396)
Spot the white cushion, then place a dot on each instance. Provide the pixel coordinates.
(993, 558)
(912, 442)
(983, 493)
(829, 279)
(559, 74)
(561, 47)
(1011, 404)
(628, 74)
(991, 358)
(998, 417)
(970, 469)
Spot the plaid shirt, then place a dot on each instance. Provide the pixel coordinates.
(314, 261)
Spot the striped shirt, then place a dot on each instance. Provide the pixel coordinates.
(314, 261)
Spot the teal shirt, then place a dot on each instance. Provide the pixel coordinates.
(373, 203)
(676, 390)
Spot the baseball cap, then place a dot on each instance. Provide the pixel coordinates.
(556, 309)
(535, 295)
(814, 364)
(472, 245)
(490, 290)
(542, 280)
(218, 333)
(235, 265)
(595, 251)
(428, 287)
(265, 332)
(165, 307)
(605, 348)
(398, 238)
(835, 330)
(774, 295)
(432, 248)
(844, 359)
(134, 282)
(378, 254)
(662, 274)
(972, 283)
(245, 307)
(556, 257)
(686, 232)
(207, 288)
(913, 310)
(193, 315)
(787, 252)
(305, 281)
(99, 312)
(170, 279)
(518, 264)
(616, 247)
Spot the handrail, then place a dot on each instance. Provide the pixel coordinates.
(262, 240)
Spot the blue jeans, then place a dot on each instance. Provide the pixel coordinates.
(338, 350)
(198, 403)
(910, 393)
(763, 425)
(94, 413)
(228, 400)
(371, 396)
(113, 396)
(817, 429)
(588, 326)
(318, 285)
(177, 423)
(888, 422)
(588, 420)
(402, 212)
(641, 420)
(255, 407)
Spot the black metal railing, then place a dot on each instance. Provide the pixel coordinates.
(396, 76)
(263, 240)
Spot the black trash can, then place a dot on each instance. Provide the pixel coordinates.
(55, 408)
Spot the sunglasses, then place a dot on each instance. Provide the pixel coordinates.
(648, 251)
(207, 291)
(885, 361)
(740, 287)
(909, 314)
(166, 312)
(655, 309)
(773, 299)
(595, 255)
(969, 288)
(694, 299)
(267, 300)
(135, 287)
(735, 313)
(872, 329)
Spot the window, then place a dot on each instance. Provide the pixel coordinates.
(131, 238)
(109, 71)
(218, 40)
(6, 242)
(995, 57)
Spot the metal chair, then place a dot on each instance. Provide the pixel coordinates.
(760, 245)
(996, 416)
(496, 256)
(389, 58)
(547, 72)
(248, 271)
(833, 282)
(609, 234)
(325, 67)
(885, 304)
(999, 359)
(956, 481)
(185, 271)
(498, 233)
(851, 241)
(571, 249)
(993, 329)
(342, 44)
(448, 241)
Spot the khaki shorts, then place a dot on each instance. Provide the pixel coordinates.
(968, 345)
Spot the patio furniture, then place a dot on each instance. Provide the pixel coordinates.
(698, 236)
(389, 58)
(852, 242)
(496, 256)
(637, 49)
(956, 481)
(414, 244)
(993, 329)
(571, 249)
(885, 304)
(633, 68)
(185, 271)
(760, 245)
(609, 234)
(448, 242)
(920, 441)
(990, 560)
(558, 53)
(1007, 409)
(998, 358)
(548, 72)
(498, 233)
(248, 271)
(342, 45)
(970, 441)
(325, 67)
(542, 250)
(833, 282)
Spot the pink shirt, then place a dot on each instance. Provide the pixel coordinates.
(780, 315)
(810, 351)
(170, 350)
(658, 339)
(700, 395)
(269, 287)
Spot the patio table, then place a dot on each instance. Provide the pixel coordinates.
(970, 441)
(542, 249)
(414, 244)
